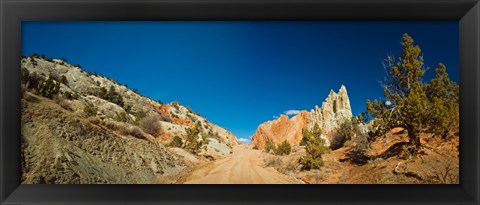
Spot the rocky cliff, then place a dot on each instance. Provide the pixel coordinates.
(89, 130)
(334, 110)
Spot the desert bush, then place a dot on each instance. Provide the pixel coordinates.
(165, 118)
(133, 131)
(315, 148)
(347, 129)
(138, 117)
(176, 105)
(121, 117)
(309, 162)
(361, 143)
(274, 161)
(191, 117)
(444, 174)
(176, 142)
(192, 143)
(111, 125)
(283, 149)
(64, 80)
(49, 88)
(94, 120)
(69, 95)
(63, 103)
(270, 147)
(24, 75)
(111, 95)
(34, 80)
(151, 125)
(357, 154)
(89, 109)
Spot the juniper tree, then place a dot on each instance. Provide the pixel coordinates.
(444, 99)
(410, 103)
(315, 148)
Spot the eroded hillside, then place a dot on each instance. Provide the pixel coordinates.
(80, 127)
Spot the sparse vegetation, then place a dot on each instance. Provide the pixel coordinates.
(64, 80)
(315, 147)
(111, 95)
(176, 142)
(151, 125)
(138, 117)
(347, 129)
(121, 117)
(133, 131)
(192, 143)
(89, 109)
(269, 146)
(283, 149)
(49, 88)
(63, 103)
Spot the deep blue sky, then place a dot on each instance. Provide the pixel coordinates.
(240, 74)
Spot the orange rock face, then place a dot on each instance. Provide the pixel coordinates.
(281, 129)
(163, 109)
(335, 110)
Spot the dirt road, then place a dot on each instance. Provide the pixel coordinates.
(245, 166)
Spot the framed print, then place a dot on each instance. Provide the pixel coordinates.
(345, 102)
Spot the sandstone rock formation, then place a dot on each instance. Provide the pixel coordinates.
(281, 129)
(335, 109)
(65, 145)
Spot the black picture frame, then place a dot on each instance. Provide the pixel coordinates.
(13, 12)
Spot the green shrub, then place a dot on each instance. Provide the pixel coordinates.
(283, 149)
(308, 162)
(64, 80)
(315, 148)
(49, 88)
(347, 129)
(89, 109)
(138, 117)
(270, 147)
(111, 95)
(192, 144)
(176, 142)
(25, 74)
(122, 117)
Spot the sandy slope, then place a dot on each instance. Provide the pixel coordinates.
(245, 166)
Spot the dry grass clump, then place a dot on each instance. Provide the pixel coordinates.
(283, 166)
(111, 125)
(151, 125)
(65, 104)
(94, 120)
(133, 131)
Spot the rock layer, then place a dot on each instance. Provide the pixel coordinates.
(335, 109)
